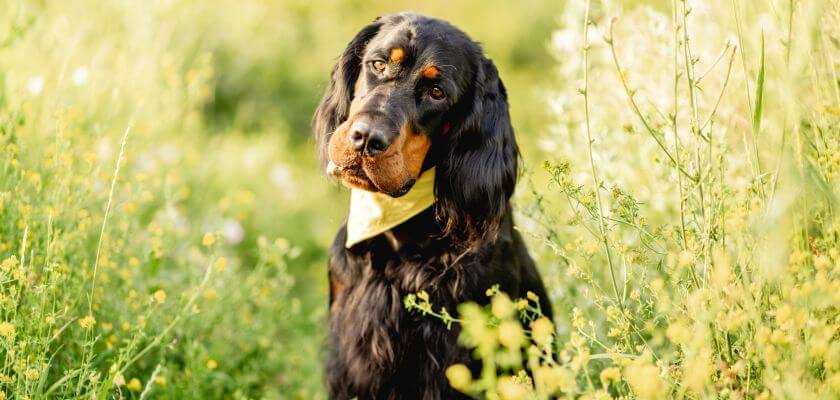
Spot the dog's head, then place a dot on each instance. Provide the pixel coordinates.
(411, 92)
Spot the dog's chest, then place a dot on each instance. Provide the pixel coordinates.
(375, 338)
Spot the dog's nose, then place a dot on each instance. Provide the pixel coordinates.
(368, 138)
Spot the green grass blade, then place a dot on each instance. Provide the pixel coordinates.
(759, 92)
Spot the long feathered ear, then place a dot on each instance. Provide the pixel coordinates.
(477, 172)
(335, 105)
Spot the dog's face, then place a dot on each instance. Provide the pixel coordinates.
(411, 75)
(411, 92)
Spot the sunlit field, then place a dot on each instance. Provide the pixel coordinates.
(164, 221)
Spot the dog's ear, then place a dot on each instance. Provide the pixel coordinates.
(335, 105)
(477, 170)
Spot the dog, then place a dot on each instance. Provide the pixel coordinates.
(413, 105)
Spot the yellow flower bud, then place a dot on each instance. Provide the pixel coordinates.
(459, 376)
(510, 334)
(501, 306)
(542, 331)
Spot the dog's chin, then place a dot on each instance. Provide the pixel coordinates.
(356, 178)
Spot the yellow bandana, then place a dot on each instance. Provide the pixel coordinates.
(375, 213)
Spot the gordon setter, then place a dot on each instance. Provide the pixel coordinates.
(408, 94)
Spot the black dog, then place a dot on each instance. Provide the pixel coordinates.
(408, 94)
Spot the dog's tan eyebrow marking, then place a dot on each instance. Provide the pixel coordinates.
(397, 55)
(430, 72)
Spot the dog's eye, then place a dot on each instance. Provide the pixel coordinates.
(437, 93)
(378, 66)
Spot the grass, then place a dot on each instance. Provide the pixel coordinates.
(163, 224)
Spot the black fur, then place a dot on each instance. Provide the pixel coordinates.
(454, 251)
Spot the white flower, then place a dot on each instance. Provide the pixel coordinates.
(80, 76)
(35, 85)
(566, 41)
(232, 231)
(282, 176)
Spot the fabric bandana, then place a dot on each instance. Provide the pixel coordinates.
(375, 213)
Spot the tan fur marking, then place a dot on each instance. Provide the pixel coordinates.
(431, 72)
(397, 55)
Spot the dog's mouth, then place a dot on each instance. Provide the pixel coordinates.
(354, 176)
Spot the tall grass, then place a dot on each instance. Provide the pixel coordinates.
(697, 241)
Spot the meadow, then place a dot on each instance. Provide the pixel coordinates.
(164, 222)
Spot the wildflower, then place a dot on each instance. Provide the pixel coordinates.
(221, 264)
(698, 369)
(210, 294)
(9, 263)
(134, 385)
(685, 258)
(160, 297)
(87, 322)
(678, 332)
(532, 296)
(32, 374)
(510, 334)
(611, 374)
(509, 389)
(459, 376)
(521, 304)
(208, 239)
(35, 85)
(80, 76)
(822, 262)
(211, 364)
(119, 379)
(542, 331)
(501, 306)
(232, 231)
(7, 330)
(644, 379)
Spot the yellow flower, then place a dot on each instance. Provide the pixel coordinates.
(501, 306)
(678, 332)
(221, 264)
(32, 374)
(510, 334)
(160, 297)
(208, 239)
(459, 376)
(210, 294)
(698, 370)
(542, 331)
(611, 374)
(532, 296)
(7, 330)
(134, 385)
(211, 364)
(87, 322)
(9, 263)
(509, 389)
(644, 379)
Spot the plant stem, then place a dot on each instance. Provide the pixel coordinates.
(595, 181)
